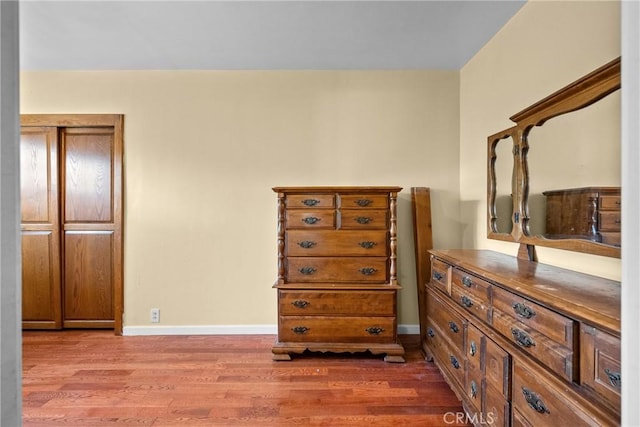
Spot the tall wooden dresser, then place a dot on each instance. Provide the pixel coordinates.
(523, 343)
(337, 281)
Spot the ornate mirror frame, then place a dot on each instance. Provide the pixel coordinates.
(577, 95)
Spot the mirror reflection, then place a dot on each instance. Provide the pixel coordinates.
(504, 174)
(574, 175)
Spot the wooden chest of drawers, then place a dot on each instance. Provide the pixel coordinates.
(591, 213)
(522, 343)
(337, 282)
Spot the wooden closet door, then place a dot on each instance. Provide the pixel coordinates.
(89, 226)
(41, 300)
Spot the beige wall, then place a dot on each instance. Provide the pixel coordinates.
(203, 149)
(544, 47)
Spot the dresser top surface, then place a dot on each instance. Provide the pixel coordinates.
(336, 189)
(600, 190)
(588, 298)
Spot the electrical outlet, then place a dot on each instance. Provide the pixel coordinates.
(155, 315)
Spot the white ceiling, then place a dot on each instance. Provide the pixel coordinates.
(294, 34)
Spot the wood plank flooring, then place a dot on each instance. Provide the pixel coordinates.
(93, 378)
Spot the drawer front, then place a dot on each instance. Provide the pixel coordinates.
(543, 320)
(541, 404)
(473, 385)
(311, 219)
(497, 368)
(337, 329)
(311, 201)
(472, 285)
(611, 238)
(474, 346)
(609, 221)
(449, 358)
(440, 275)
(451, 324)
(556, 357)
(497, 409)
(600, 364)
(336, 243)
(365, 303)
(351, 219)
(338, 270)
(471, 302)
(364, 201)
(610, 203)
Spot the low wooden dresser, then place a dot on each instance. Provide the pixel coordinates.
(337, 282)
(523, 343)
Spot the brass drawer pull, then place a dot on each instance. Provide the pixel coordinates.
(300, 330)
(522, 338)
(454, 362)
(307, 244)
(437, 275)
(307, 270)
(454, 327)
(534, 401)
(614, 378)
(363, 219)
(367, 271)
(374, 330)
(466, 280)
(523, 310)
(473, 348)
(367, 245)
(431, 333)
(300, 303)
(310, 220)
(311, 202)
(466, 301)
(363, 202)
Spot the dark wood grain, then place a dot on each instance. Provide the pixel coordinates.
(93, 378)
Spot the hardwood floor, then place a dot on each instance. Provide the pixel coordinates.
(93, 378)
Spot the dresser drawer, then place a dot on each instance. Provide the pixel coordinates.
(471, 284)
(311, 201)
(554, 325)
(555, 356)
(497, 409)
(337, 329)
(610, 203)
(336, 243)
(609, 221)
(540, 403)
(440, 275)
(600, 363)
(448, 358)
(310, 219)
(497, 368)
(452, 324)
(363, 219)
(337, 270)
(611, 238)
(364, 201)
(366, 303)
(477, 303)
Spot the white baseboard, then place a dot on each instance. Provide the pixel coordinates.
(226, 330)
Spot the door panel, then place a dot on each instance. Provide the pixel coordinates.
(88, 291)
(88, 172)
(41, 298)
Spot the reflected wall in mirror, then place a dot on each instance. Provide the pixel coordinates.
(566, 202)
(501, 185)
(565, 169)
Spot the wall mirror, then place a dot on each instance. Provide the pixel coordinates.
(501, 185)
(565, 180)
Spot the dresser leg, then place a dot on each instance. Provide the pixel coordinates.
(281, 356)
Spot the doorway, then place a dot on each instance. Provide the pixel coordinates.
(71, 221)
